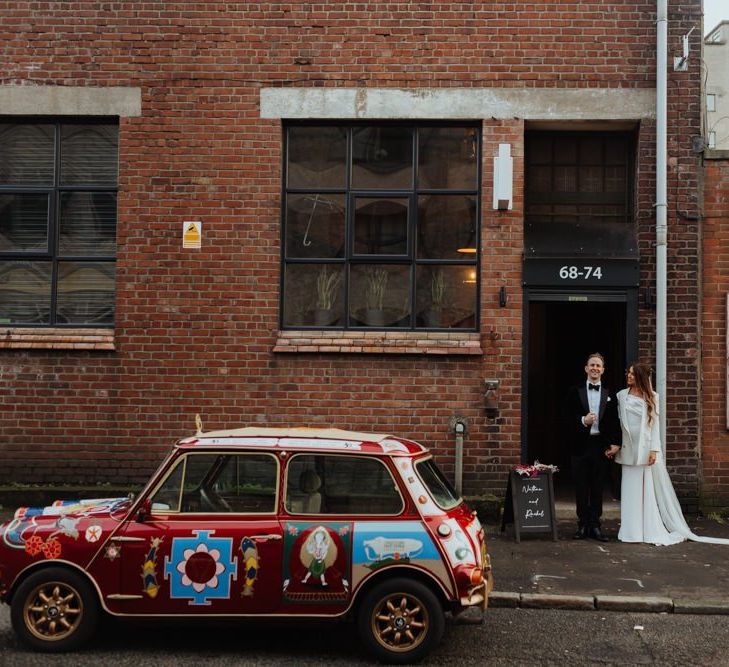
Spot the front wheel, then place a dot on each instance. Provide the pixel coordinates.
(54, 610)
(400, 621)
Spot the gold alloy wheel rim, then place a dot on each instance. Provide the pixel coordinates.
(400, 622)
(53, 611)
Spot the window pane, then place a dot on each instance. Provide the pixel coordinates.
(315, 225)
(26, 154)
(379, 296)
(446, 296)
(88, 223)
(244, 483)
(447, 158)
(89, 154)
(382, 158)
(25, 292)
(167, 497)
(317, 484)
(587, 208)
(314, 295)
(317, 157)
(381, 226)
(85, 293)
(197, 469)
(447, 227)
(23, 222)
(437, 483)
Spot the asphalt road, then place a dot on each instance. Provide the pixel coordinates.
(507, 637)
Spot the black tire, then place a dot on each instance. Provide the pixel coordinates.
(54, 610)
(400, 621)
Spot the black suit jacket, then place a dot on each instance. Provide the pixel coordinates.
(578, 435)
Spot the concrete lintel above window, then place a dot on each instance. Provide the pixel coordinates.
(70, 101)
(459, 103)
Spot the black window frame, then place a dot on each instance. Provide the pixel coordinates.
(410, 257)
(559, 231)
(54, 192)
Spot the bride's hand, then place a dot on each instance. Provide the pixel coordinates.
(651, 458)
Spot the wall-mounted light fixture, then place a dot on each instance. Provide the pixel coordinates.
(502, 297)
(648, 300)
(491, 398)
(680, 63)
(503, 178)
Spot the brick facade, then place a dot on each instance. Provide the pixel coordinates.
(715, 282)
(197, 330)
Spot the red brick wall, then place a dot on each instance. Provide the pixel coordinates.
(715, 437)
(195, 329)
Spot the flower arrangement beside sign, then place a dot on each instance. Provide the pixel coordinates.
(535, 469)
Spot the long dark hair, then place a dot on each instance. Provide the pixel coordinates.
(642, 375)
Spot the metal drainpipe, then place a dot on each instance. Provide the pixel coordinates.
(661, 207)
(460, 429)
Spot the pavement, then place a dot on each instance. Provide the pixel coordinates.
(538, 572)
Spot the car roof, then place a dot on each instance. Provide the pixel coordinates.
(302, 438)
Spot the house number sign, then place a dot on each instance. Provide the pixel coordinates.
(587, 272)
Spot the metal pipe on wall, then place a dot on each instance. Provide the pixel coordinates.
(661, 208)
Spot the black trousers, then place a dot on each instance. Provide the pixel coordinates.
(589, 470)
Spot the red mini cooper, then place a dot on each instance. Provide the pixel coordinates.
(257, 522)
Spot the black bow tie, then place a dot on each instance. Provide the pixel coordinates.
(596, 387)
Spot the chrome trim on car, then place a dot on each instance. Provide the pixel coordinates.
(123, 538)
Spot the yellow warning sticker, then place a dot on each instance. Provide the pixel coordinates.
(192, 234)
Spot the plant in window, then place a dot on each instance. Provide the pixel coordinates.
(376, 286)
(327, 283)
(438, 288)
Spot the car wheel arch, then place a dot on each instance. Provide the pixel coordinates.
(47, 564)
(397, 572)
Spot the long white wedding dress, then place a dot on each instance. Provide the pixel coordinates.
(649, 509)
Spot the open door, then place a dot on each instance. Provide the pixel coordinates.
(563, 329)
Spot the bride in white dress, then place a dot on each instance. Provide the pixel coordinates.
(649, 509)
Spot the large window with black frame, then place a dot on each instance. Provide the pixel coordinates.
(579, 194)
(58, 208)
(381, 226)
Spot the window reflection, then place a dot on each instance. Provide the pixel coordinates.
(315, 225)
(381, 226)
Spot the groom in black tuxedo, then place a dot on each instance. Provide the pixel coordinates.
(593, 430)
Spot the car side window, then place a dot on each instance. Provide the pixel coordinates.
(220, 483)
(247, 483)
(167, 496)
(331, 484)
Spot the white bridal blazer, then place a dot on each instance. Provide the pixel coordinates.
(639, 439)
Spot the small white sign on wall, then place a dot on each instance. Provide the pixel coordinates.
(192, 234)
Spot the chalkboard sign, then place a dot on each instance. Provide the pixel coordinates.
(529, 504)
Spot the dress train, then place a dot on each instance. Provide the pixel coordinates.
(661, 521)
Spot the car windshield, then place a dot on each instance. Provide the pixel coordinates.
(440, 488)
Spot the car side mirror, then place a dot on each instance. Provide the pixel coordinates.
(144, 510)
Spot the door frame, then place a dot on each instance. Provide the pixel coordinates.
(626, 295)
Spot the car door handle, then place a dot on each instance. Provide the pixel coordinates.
(263, 538)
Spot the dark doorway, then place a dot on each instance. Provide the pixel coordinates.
(562, 331)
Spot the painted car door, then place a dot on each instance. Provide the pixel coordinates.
(212, 543)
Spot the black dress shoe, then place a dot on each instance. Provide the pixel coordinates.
(581, 534)
(596, 534)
